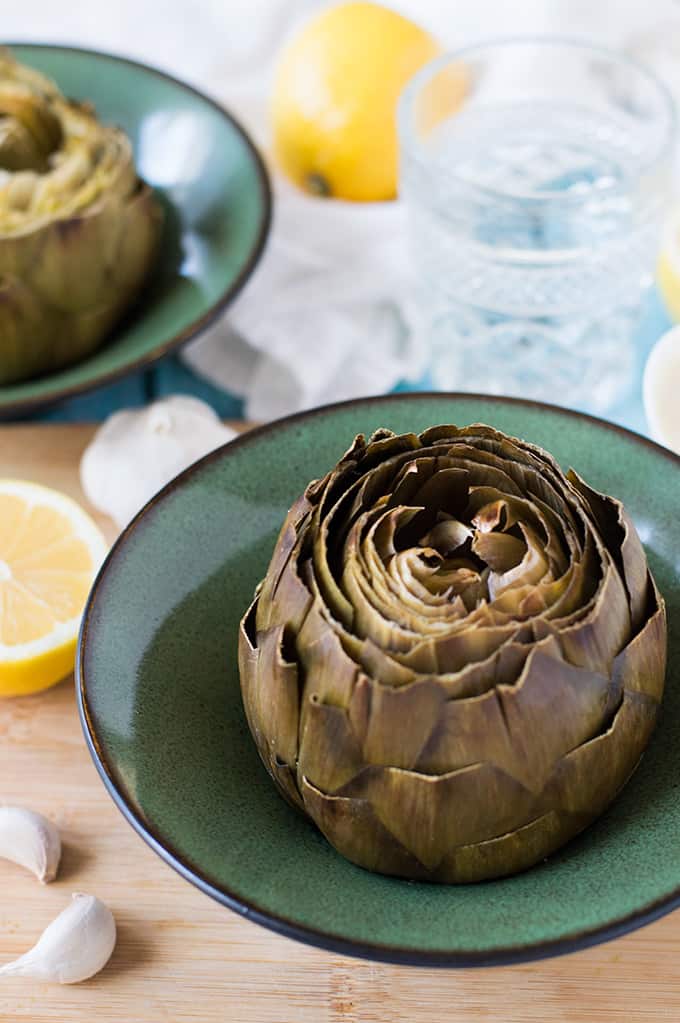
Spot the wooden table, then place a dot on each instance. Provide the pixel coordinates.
(181, 957)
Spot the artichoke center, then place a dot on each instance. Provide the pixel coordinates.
(30, 131)
(467, 560)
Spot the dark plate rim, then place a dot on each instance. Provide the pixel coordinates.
(23, 406)
(397, 954)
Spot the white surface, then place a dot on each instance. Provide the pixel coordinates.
(324, 317)
(661, 390)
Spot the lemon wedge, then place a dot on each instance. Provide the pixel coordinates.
(50, 550)
(668, 270)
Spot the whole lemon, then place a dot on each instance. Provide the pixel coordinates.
(335, 97)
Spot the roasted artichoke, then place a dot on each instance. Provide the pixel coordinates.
(78, 229)
(456, 657)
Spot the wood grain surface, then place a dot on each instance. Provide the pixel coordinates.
(181, 957)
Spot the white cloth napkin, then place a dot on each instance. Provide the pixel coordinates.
(326, 315)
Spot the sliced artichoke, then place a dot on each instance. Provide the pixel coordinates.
(456, 657)
(78, 229)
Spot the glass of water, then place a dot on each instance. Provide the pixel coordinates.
(535, 205)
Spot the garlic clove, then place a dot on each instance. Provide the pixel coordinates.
(137, 451)
(76, 945)
(31, 840)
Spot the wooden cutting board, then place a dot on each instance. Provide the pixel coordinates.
(182, 957)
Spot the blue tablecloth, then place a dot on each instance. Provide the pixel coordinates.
(170, 376)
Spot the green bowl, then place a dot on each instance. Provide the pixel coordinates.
(161, 707)
(215, 191)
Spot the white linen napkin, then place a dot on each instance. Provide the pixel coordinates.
(326, 315)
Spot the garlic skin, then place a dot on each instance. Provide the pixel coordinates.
(76, 945)
(137, 451)
(31, 840)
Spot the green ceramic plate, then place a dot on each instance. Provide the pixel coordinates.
(162, 712)
(216, 194)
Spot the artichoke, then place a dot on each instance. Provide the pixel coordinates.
(78, 229)
(456, 657)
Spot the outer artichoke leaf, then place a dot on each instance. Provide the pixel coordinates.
(283, 549)
(446, 433)
(587, 779)
(324, 727)
(353, 828)
(620, 535)
(290, 601)
(431, 814)
(285, 778)
(272, 718)
(512, 727)
(641, 666)
(248, 655)
(391, 724)
(510, 853)
(384, 444)
(276, 707)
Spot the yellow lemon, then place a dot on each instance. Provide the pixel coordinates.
(50, 551)
(668, 271)
(335, 98)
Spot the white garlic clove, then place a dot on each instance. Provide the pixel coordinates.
(137, 451)
(31, 840)
(76, 945)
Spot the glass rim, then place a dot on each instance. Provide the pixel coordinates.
(411, 146)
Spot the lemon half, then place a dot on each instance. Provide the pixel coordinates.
(50, 550)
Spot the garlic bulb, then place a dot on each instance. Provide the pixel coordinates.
(31, 840)
(75, 946)
(137, 451)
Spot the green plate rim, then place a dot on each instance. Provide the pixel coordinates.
(25, 406)
(403, 955)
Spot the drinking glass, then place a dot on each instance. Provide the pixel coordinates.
(537, 174)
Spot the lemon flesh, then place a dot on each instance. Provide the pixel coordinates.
(50, 551)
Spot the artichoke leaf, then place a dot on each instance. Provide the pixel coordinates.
(623, 542)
